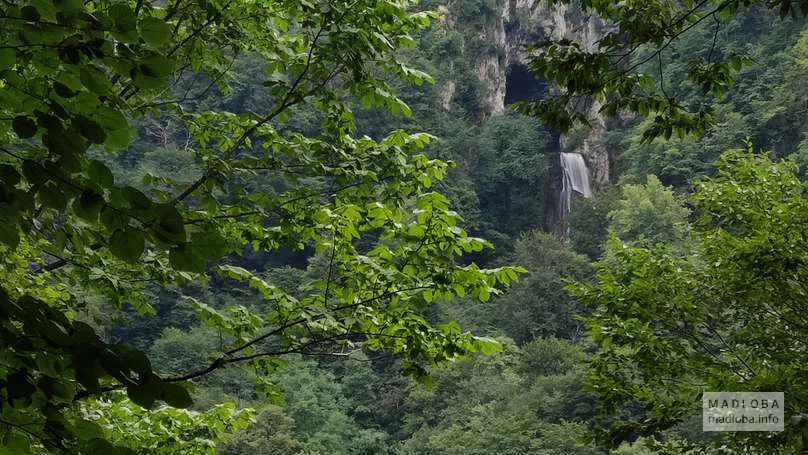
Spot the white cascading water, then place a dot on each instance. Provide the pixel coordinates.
(576, 178)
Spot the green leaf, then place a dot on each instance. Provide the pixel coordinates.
(100, 174)
(87, 369)
(34, 172)
(16, 443)
(23, 126)
(483, 295)
(136, 198)
(119, 139)
(101, 446)
(7, 58)
(95, 80)
(63, 90)
(67, 143)
(124, 17)
(9, 234)
(159, 66)
(9, 175)
(51, 195)
(90, 129)
(87, 430)
(176, 395)
(486, 346)
(184, 258)
(88, 205)
(135, 360)
(144, 394)
(209, 245)
(20, 385)
(155, 31)
(170, 227)
(113, 218)
(29, 13)
(111, 119)
(127, 244)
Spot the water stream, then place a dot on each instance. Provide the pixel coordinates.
(575, 179)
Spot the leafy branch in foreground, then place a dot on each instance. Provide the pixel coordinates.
(77, 79)
(622, 72)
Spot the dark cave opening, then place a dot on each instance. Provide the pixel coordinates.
(521, 85)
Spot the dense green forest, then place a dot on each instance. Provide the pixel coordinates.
(389, 227)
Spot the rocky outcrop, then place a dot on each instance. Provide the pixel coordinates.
(503, 42)
(516, 25)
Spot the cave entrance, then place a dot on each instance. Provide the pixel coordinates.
(521, 85)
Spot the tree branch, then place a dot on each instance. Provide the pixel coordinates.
(677, 35)
(227, 358)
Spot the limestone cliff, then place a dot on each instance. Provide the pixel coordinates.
(515, 26)
(503, 36)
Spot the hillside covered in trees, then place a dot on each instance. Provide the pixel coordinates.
(467, 227)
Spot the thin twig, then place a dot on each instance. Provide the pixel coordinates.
(715, 37)
(227, 356)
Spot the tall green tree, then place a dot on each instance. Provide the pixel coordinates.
(272, 434)
(589, 221)
(730, 318)
(77, 78)
(649, 214)
(539, 306)
(523, 401)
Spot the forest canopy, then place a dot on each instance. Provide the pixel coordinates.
(245, 227)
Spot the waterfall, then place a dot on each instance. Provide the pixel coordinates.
(576, 178)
